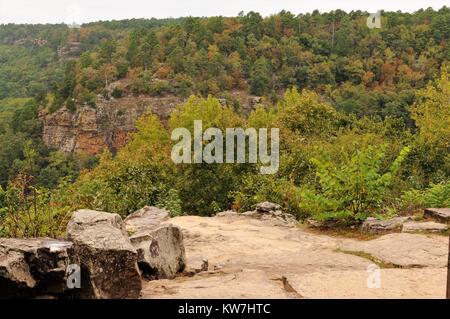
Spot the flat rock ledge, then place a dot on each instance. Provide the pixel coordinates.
(440, 214)
(424, 227)
(402, 250)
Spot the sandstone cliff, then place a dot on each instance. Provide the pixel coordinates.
(90, 130)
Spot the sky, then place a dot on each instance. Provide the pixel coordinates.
(81, 11)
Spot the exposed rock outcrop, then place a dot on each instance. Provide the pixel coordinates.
(439, 214)
(267, 207)
(271, 212)
(159, 245)
(404, 250)
(147, 218)
(33, 267)
(424, 227)
(105, 254)
(249, 258)
(100, 249)
(107, 126)
(266, 211)
(373, 225)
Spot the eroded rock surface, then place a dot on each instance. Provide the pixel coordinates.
(159, 245)
(266, 211)
(267, 207)
(108, 125)
(373, 225)
(147, 218)
(105, 254)
(424, 227)
(32, 267)
(252, 258)
(404, 250)
(439, 214)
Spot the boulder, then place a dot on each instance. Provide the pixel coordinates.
(33, 267)
(440, 214)
(160, 247)
(105, 254)
(266, 207)
(160, 251)
(373, 225)
(271, 212)
(424, 227)
(147, 218)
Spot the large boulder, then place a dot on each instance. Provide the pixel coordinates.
(439, 214)
(33, 267)
(160, 247)
(147, 218)
(373, 225)
(105, 254)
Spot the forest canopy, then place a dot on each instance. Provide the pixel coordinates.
(363, 114)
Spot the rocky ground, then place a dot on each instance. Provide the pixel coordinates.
(254, 258)
(263, 253)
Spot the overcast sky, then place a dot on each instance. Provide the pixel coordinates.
(79, 11)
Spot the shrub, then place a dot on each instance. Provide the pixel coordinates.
(260, 188)
(139, 175)
(171, 201)
(117, 92)
(437, 195)
(352, 190)
(27, 211)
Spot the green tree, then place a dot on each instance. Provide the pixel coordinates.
(354, 189)
(261, 77)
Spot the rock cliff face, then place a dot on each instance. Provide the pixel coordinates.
(90, 130)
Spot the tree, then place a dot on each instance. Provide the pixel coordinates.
(261, 77)
(432, 112)
(306, 113)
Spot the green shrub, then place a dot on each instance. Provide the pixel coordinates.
(27, 211)
(437, 195)
(352, 190)
(171, 201)
(260, 188)
(117, 92)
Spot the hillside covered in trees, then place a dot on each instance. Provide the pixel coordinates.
(364, 114)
